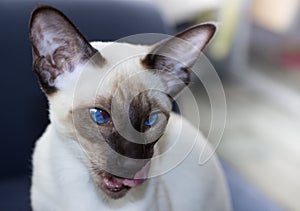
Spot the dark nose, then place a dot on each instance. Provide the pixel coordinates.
(130, 149)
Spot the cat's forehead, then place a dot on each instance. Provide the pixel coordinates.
(122, 77)
(122, 65)
(128, 83)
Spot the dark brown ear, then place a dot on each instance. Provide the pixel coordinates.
(57, 46)
(174, 57)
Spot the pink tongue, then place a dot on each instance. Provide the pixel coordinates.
(139, 177)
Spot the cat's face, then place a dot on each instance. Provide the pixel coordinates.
(113, 99)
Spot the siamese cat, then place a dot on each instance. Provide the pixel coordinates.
(113, 142)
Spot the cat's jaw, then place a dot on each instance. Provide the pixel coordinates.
(116, 187)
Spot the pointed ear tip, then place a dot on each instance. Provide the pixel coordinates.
(209, 26)
(42, 9)
(206, 28)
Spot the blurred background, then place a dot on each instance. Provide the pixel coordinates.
(256, 53)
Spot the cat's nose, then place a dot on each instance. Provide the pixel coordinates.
(130, 149)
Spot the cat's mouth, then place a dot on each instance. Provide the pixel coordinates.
(116, 187)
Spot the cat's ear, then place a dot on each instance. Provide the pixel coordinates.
(57, 46)
(174, 57)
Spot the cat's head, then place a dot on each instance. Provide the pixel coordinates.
(111, 99)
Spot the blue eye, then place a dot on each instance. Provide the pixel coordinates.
(99, 116)
(151, 120)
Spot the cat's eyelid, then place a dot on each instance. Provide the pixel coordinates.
(155, 111)
(100, 107)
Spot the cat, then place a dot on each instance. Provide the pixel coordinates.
(113, 142)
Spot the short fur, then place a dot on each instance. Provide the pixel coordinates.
(75, 155)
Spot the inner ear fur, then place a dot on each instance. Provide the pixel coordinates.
(57, 46)
(174, 57)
